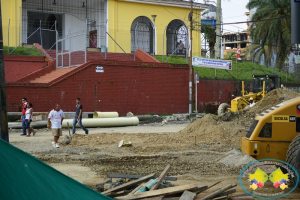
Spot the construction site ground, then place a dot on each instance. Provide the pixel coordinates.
(204, 152)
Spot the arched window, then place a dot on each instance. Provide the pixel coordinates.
(142, 34)
(177, 37)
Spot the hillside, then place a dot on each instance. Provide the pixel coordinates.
(240, 71)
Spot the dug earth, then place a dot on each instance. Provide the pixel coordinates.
(205, 151)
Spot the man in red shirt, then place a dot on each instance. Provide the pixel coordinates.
(24, 106)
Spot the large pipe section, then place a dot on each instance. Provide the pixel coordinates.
(104, 122)
(105, 114)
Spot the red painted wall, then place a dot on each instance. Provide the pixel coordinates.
(17, 67)
(211, 93)
(122, 88)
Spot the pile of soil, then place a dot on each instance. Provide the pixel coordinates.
(273, 98)
(211, 130)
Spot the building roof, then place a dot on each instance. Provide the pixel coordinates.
(235, 33)
(173, 3)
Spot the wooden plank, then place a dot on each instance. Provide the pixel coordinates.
(129, 184)
(228, 192)
(169, 178)
(137, 188)
(161, 177)
(217, 193)
(200, 196)
(242, 197)
(153, 193)
(187, 195)
(220, 198)
(155, 198)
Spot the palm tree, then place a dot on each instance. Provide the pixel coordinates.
(271, 37)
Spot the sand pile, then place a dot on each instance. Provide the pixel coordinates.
(211, 130)
(273, 98)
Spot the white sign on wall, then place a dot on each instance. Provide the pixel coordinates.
(100, 69)
(212, 63)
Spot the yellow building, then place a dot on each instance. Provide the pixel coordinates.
(158, 26)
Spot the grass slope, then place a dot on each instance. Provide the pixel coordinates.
(22, 51)
(240, 71)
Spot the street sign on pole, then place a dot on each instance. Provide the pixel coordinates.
(196, 80)
(196, 77)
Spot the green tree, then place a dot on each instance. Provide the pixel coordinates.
(271, 37)
(210, 35)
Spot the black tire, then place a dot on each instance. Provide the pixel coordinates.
(222, 109)
(293, 154)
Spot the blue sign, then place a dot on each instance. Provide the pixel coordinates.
(296, 0)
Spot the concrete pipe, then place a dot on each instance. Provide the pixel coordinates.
(104, 122)
(105, 114)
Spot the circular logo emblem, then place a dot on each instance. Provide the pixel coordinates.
(269, 179)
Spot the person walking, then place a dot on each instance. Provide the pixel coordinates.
(24, 107)
(56, 116)
(28, 119)
(78, 117)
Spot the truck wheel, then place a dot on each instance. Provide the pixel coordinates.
(222, 112)
(293, 155)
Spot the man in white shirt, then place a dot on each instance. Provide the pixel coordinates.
(56, 116)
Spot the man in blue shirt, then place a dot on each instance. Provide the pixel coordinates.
(78, 117)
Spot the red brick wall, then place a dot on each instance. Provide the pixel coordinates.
(138, 89)
(156, 89)
(211, 93)
(17, 67)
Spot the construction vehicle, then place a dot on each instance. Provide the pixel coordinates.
(274, 134)
(262, 84)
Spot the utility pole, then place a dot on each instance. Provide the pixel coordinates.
(3, 107)
(218, 31)
(191, 56)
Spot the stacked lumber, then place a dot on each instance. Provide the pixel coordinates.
(151, 188)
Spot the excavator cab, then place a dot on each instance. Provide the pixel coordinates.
(271, 82)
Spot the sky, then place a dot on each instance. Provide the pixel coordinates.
(233, 11)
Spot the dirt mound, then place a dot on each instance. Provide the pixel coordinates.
(211, 130)
(273, 98)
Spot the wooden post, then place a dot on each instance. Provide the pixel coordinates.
(3, 107)
(161, 177)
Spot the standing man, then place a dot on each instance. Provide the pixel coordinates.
(56, 116)
(24, 107)
(78, 117)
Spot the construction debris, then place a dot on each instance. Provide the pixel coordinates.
(151, 188)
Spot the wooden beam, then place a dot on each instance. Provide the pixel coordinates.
(218, 192)
(200, 196)
(187, 195)
(129, 184)
(153, 193)
(242, 197)
(137, 188)
(161, 177)
(220, 198)
(155, 198)
(169, 178)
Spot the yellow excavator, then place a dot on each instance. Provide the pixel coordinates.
(274, 134)
(262, 84)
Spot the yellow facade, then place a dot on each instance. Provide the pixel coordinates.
(121, 15)
(11, 20)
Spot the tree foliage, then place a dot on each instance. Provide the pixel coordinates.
(210, 35)
(271, 38)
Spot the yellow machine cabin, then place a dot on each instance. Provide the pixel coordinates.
(274, 134)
